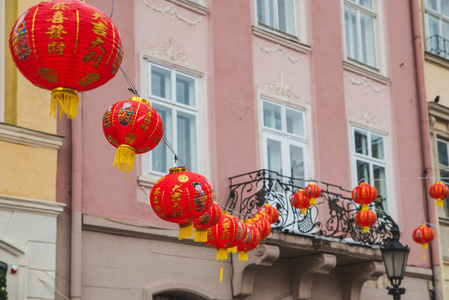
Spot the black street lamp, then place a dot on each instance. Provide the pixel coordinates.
(395, 257)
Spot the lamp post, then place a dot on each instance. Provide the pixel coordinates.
(395, 257)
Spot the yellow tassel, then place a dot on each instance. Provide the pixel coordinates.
(312, 201)
(68, 102)
(424, 246)
(364, 207)
(243, 256)
(222, 254)
(221, 272)
(440, 202)
(200, 235)
(185, 231)
(124, 158)
(232, 249)
(303, 211)
(365, 229)
(424, 256)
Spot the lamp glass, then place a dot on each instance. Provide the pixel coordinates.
(395, 257)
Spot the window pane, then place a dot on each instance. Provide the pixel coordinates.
(265, 12)
(377, 146)
(161, 157)
(379, 181)
(295, 122)
(274, 156)
(297, 164)
(185, 90)
(272, 116)
(160, 82)
(445, 7)
(444, 175)
(363, 172)
(186, 132)
(432, 4)
(351, 34)
(286, 15)
(361, 142)
(442, 153)
(433, 35)
(444, 42)
(368, 4)
(368, 42)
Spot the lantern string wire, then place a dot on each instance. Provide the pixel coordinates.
(112, 9)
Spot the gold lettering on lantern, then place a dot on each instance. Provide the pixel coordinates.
(175, 188)
(130, 138)
(54, 47)
(183, 178)
(89, 79)
(146, 121)
(60, 5)
(176, 197)
(99, 41)
(94, 57)
(55, 31)
(112, 140)
(48, 74)
(100, 28)
(58, 17)
(96, 15)
(225, 233)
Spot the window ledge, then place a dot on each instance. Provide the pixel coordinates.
(195, 7)
(29, 137)
(444, 221)
(355, 68)
(292, 43)
(438, 60)
(147, 181)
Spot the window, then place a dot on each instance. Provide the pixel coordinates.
(370, 161)
(284, 140)
(443, 162)
(437, 27)
(277, 14)
(173, 95)
(360, 31)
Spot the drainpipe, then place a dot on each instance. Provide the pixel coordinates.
(76, 234)
(423, 117)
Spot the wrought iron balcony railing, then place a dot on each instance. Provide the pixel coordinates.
(438, 45)
(332, 217)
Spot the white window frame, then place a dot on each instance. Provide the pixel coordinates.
(286, 139)
(444, 169)
(2, 60)
(439, 15)
(375, 14)
(149, 177)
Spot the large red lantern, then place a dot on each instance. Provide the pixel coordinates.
(262, 224)
(181, 196)
(133, 127)
(312, 191)
(208, 219)
(66, 46)
(423, 235)
(300, 201)
(439, 191)
(227, 233)
(272, 213)
(251, 241)
(365, 219)
(364, 194)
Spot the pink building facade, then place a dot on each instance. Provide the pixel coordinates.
(311, 91)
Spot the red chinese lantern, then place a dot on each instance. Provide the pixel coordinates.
(312, 191)
(181, 196)
(206, 220)
(66, 46)
(262, 224)
(251, 241)
(423, 235)
(364, 194)
(300, 201)
(272, 213)
(365, 219)
(439, 191)
(133, 127)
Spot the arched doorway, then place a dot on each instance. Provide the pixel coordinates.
(177, 295)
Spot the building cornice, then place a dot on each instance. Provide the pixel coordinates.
(195, 7)
(438, 110)
(278, 39)
(29, 137)
(47, 208)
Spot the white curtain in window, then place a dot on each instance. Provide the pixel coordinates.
(274, 155)
(368, 40)
(352, 49)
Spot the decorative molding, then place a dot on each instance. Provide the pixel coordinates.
(29, 137)
(34, 206)
(368, 121)
(245, 271)
(193, 6)
(437, 60)
(418, 272)
(289, 42)
(280, 88)
(171, 9)
(367, 83)
(369, 74)
(357, 275)
(10, 248)
(279, 49)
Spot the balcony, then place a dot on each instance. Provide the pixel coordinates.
(438, 45)
(332, 218)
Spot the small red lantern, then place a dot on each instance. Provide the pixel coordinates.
(208, 219)
(439, 191)
(312, 191)
(181, 196)
(272, 213)
(300, 201)
(66, 46)
(423, 235)
(251, 241)
(364, 194)
(132, 126)
(365, 219)
(262, 224)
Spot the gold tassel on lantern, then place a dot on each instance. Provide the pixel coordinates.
(221, 272)
(222, 254)
(200, 236)
(185, 231)
(365, 229)
(440, 202)
(232, 249)
(68, 102)
(243, 256)
(303, 211)
(124, 158)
